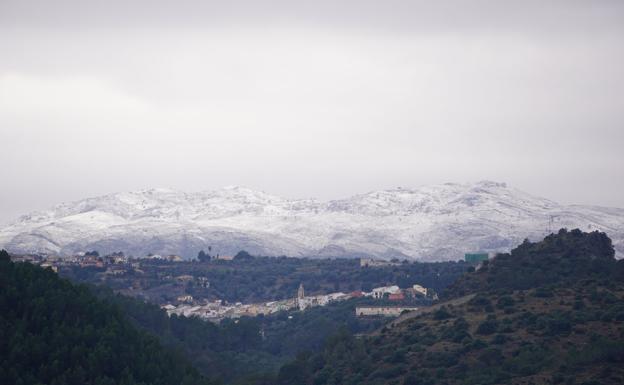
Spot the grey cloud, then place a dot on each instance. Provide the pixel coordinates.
(317, 98)
(490, 16)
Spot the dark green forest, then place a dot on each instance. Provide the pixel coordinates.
(55, 332)
(237, 351)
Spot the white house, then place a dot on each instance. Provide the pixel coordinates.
(379, 292)
(420, 289)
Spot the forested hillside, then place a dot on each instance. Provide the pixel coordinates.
(55, 332)
(236, 350)
(550, 312)
(257, 279)
(559, 260)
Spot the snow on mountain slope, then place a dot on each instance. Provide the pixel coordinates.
(428, 223)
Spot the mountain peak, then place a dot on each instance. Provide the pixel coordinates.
(430, 222)
(491, 184)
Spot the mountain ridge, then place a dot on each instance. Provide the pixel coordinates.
(438, 222)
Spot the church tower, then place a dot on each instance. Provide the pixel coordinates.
(300, 292)
(299, 300)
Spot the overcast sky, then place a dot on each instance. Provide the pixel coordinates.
(309, 99)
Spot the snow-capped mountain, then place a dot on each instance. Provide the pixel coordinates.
(428, 223)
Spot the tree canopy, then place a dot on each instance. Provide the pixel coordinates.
(55, 332)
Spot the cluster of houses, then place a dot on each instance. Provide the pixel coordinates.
(217, 310)
(170, 258)
(80, 259)
(372, 262)
(118, 263)
(394, 293)
(115, 263)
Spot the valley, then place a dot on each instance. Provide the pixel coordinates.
(214, 288)
(549, 312)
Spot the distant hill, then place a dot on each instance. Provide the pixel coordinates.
(439, 222)
(54, 332)
(560, 259)
(551, 312)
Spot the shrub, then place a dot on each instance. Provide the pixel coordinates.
(491, 356)
(442, 314)
(476, 345)
(460, 324)
(441, 359)
(528, 360)
(397, 357)
(543, 292)
(504, 302)
(600, 350)
(499, 339)
(389, 372)
(487, 327)
(479, 301)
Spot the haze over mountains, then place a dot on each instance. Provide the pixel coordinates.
(438, 222)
